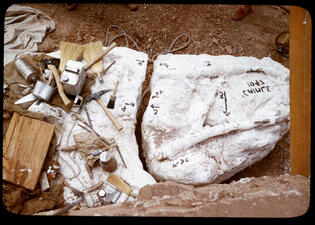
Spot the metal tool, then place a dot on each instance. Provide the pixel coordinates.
(70, 206)
(80, 199)
(88, 116)
(78, 100)
(77, 104)
(112, 193)
(122, 159)
(107, 68)
(28, 98)
(79, 117)
(26, 70)
(51, 61)
(97, 96)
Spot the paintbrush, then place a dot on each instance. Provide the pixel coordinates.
(120, 184)
(111, 102)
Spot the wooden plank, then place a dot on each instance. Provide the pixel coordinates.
(300, 90)
(24, 150)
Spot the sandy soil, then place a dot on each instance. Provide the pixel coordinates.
(155, 26)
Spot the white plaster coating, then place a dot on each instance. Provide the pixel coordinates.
(202, 124)
(130, 70)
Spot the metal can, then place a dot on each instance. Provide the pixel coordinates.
(43, 91)
(108, 162)
(73, 77)
(26, 70)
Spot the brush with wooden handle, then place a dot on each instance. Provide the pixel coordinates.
(110, 115)
(97, 96)
(120, 184)
(111, 102)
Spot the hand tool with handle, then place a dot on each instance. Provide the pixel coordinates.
(79, 117)
(80, 199)
(97, 96)
(111, 102)
(52, 64)
(107, 68)
(61, 91)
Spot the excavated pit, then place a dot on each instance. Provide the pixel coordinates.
(268, 21)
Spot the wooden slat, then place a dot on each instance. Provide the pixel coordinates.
(24, 150)
(300, 90)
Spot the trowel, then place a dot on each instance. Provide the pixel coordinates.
(27, 98)
(41, 91)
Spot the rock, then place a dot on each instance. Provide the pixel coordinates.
(71, 6)
(204, 123)
(133, 7)
(228, 50)
(215, 41)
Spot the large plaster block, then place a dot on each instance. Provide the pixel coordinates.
(210, 117)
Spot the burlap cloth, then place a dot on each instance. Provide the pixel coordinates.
(18, 199)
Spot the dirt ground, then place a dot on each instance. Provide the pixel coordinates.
(155, 26)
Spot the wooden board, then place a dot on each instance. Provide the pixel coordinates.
(24, 150)
(300, 90)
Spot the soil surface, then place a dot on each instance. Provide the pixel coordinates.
(248, 197)
(154, 27)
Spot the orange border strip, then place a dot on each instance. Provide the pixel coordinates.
(300, 90)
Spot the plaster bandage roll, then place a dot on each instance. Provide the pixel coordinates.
(26, 70)
(108, 162)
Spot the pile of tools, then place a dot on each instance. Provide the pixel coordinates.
(72, 78)
(67, 76)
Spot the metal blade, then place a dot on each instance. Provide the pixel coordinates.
(27, 98)
(107, 68)
(97, 95)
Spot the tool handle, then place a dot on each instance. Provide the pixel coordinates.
(116, 87)
(100, 56)
(62, 94)
(109, 114)
(68, 207)
(50, 78)
(79, 117)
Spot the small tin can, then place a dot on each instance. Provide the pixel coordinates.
(43, 91)
(108, 162)
(26, 70)
(73, 77)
